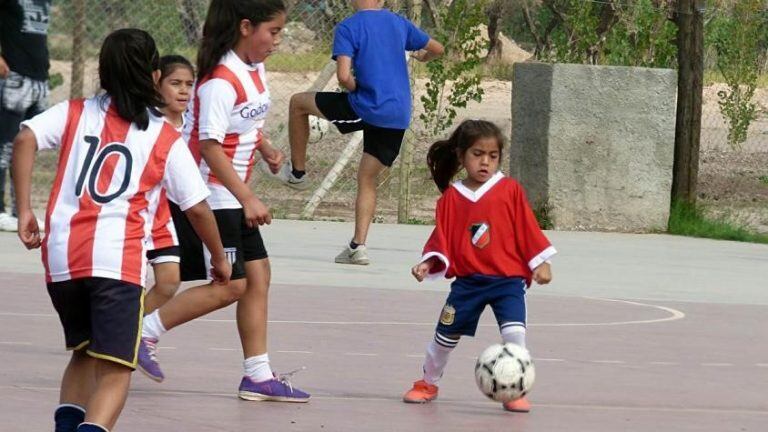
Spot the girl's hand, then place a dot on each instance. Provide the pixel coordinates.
(256, 213)
(542, 274)
(29, 232)
(421, 270)
(272, 156)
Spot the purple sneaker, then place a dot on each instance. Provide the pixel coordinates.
(277, 389)
(148, 359)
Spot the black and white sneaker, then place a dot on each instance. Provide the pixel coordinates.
(285, 176)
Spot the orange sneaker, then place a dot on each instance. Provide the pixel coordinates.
(518, 405)
(421, 392)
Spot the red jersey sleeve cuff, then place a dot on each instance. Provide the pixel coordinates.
(542, 257)
(437, 272)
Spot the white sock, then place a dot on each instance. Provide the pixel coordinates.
(257, 368)
(153, 327)
(438, 351)
(513, 333)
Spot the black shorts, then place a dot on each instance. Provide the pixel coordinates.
(164, 255)
(100, 315)
(381, 143)
(242, 244)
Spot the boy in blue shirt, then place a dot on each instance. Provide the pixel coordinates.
(373, 42)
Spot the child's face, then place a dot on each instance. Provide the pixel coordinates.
(175, 89)
(261, 40)
(481, 161)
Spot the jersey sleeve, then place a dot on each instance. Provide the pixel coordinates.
(216, 98)
(437, 244)
(343, 42)
(49, 126)
(415, 38)
(182, 180)
(533, 245)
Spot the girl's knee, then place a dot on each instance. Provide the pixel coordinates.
(235, 290)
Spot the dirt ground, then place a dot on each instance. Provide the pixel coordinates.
(733, 183)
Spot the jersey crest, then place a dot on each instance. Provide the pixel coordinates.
(481, 234)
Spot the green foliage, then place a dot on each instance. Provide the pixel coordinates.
(543, 216)
(734, 37)
(454, 79)
(625, 33)
(763, 179)
(55, 80)
(689, 220)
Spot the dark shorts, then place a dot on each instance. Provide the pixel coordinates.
(164, 255)
(242, 244)
(102, 316)
(470, 295)
(381, 143)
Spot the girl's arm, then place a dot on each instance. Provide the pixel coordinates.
(256, 213)
(24, 149)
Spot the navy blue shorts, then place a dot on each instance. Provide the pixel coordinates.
(470, 295)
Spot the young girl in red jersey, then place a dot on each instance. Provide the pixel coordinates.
(487, 237)
(177, 77)
(224, 129)
(116, 152)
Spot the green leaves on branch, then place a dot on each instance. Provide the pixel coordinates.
(454, 79)
(734, 37)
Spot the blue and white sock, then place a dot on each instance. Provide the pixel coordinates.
(68, 417)
(438, 351)
(513, 332)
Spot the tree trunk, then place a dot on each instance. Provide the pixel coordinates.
(690, 57)
(494, 11)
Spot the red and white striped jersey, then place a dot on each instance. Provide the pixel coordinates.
(228, 106)
(163, 231)
(98, 218)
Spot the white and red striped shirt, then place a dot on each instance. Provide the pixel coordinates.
(163, 232)
(98, 218)
(228, 106)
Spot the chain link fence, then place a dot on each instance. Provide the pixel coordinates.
(302, 63)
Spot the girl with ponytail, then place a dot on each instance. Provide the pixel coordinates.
(224, 129)
(487, 237)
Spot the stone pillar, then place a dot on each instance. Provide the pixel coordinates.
(594, 145)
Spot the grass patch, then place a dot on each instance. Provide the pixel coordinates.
(714, 76)
(689, 220)
(763, 179)
(288, 62)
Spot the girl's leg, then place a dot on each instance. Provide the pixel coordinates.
(513, 332)
(77, 386)
(438, 352)
(259, 383)
(167, 281)
(108, 399)
(252, 319)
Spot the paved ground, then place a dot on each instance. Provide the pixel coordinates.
(635, 333)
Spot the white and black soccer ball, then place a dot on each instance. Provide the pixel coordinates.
(505, 372)
(318, 128)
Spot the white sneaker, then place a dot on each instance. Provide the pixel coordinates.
(358, 256)
(285, 175)
(8, 223)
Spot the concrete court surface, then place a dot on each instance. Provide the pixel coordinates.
(636, 333)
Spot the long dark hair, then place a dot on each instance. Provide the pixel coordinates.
(169, 63)
(126, 62)
(222, 27)
(443, 156)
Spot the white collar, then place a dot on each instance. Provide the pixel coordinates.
(475, 196)
(232, 57)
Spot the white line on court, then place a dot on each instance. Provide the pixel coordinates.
(674, 314)
(223, 349)
(761, 364)
(422, 356)
(16, 343)
(295, 352)
(607, 361)
(548, 359)
(462, 402)
(717, 364)
(361, 354)
(663, 363)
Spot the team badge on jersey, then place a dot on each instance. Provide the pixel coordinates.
(448, 315)
(231, 253)
(481, 234)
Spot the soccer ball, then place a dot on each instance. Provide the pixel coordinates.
(318, 128)
(504, 372)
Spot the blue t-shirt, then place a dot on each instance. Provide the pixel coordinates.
(377, 40)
